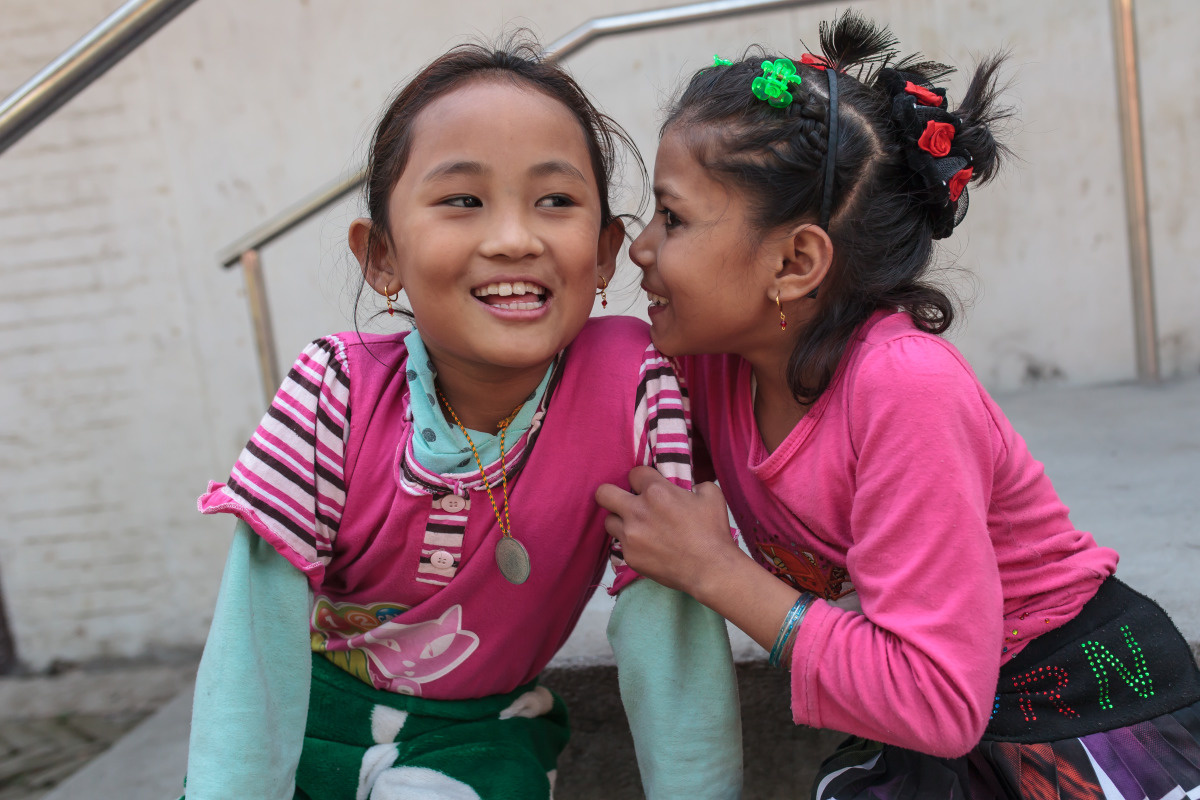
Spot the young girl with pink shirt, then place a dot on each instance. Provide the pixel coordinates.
(417, 534)
(910, 562)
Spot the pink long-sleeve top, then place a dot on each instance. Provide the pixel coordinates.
(905, 483)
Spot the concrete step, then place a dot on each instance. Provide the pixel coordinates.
(598, 764)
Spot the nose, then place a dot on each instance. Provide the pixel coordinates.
(641, 251)
(510, 234)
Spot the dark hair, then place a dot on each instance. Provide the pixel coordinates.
(518, 60)
(884, 217)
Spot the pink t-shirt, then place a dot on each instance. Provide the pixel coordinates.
(906, 484)
(407, 594)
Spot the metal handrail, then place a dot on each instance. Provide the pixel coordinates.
(1137, 201)
(581, 36)
(662, 17)
(289, 218)
(82, 63)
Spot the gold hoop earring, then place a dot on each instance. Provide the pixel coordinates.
(390, 298)
(782, 316)
(603, 294)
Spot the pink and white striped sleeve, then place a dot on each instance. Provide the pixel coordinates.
(288, 483)
(662, 428)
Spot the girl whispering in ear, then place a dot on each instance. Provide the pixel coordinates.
(992, 652)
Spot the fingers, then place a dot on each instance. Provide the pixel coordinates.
(613, 498)
(615, 527)
(617, 501)
(709, 492)
(642, 478)
(652, 494)
(534, 703)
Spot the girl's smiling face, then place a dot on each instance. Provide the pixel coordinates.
(708, 278)
(494, 229)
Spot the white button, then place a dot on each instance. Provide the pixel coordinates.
(441, 559)
(453, 503)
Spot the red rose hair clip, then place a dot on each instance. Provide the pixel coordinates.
(928, 133)
(816, 62)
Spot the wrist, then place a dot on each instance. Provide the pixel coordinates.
(721, 574)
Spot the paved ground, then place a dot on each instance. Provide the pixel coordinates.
(52, 726)
(1126, 459)
(37, 754)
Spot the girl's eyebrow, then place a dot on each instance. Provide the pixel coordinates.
(450, 168)
(475, 169)
(556, 167)
(661, 192)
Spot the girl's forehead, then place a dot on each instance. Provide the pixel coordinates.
(497, 110)
(678, 169)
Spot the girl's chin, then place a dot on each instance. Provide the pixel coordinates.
(662, 342)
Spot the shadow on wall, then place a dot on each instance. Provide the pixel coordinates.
(8, 652)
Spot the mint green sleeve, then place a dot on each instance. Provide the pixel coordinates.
(679, 688)
(251, 702)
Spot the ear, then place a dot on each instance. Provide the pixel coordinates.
(805, 256)
(612, 236)
(378, 267)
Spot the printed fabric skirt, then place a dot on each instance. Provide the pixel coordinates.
(1107, 706)
(362, 742)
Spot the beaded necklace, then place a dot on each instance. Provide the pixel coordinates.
(511, 556)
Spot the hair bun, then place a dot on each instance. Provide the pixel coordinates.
(929, 136)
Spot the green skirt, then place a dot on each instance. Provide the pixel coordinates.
(362, 742)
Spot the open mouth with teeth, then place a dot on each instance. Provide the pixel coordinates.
(657, 299)
(512, 296)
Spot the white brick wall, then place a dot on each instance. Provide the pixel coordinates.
(128, 371)
(100, 392)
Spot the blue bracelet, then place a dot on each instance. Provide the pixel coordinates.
(786, 630)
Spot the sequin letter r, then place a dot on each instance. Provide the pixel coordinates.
(1039, 678)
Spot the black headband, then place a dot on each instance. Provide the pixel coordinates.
(830, 150)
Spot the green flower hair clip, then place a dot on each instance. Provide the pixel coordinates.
(721, 62)
(773, 85)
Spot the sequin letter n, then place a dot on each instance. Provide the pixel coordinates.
(1101, 659)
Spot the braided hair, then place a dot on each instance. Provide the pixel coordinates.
(891, 196)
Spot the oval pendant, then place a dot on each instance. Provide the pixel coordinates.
(512, 560)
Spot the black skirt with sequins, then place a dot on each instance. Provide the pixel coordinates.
(1106, 706)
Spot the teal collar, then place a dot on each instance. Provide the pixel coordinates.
(438, 444)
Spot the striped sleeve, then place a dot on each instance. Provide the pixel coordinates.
(661, 437)
(662, 422)
(288, 483)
